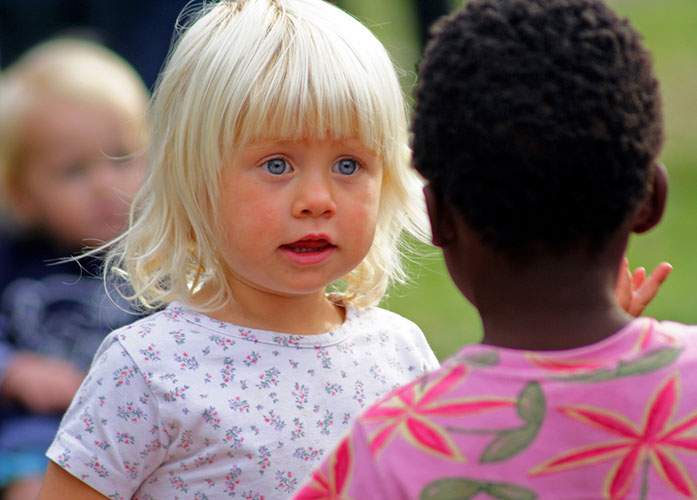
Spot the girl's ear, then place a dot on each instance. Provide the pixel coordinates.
(441, 216)
(651, 210)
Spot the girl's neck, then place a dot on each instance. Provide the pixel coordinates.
(307, 314)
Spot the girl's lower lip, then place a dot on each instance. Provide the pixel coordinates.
(308, 258)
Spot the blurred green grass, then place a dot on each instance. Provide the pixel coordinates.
(670, 31)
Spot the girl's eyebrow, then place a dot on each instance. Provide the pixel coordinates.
(352, 146)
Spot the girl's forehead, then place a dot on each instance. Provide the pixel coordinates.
(349, 144)
(354, 142)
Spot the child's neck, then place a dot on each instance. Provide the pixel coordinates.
(553, 304)
(306, 314)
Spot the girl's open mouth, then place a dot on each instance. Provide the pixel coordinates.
(308, 250)
(306, 246)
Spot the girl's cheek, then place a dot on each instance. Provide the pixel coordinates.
(369, 203)
(260, 217)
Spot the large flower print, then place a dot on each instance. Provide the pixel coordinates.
(654, 443)
(409, 411)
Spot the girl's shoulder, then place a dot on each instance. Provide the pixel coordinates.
(386, 318)
(172, 321)
(374, 317)
(389, 328)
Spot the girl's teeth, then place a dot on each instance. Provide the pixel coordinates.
(306, 250)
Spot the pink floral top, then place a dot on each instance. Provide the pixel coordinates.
(614, 420)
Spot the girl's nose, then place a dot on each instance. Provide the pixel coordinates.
(314, 198)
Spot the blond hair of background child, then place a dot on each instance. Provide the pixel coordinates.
(73, 129)
(47, 92)
(279, 165)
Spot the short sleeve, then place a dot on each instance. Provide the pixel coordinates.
(431, 362)
(111, 436)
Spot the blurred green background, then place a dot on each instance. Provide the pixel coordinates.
(670, 31)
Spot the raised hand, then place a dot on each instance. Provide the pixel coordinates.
(635, 290)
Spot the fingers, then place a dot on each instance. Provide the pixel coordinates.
(623, 289)
(638, 277)
(648, 288)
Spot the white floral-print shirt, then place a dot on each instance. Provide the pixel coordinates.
(181, 406)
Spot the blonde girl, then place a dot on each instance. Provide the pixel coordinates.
(279, 167)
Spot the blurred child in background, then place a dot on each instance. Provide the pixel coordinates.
(537, 125)
(73, 130)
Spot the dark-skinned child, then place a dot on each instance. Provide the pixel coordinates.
(538, 125)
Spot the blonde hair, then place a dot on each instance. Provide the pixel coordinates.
(72, 70)
(304, 66)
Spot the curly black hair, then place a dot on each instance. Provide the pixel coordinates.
(538, 120)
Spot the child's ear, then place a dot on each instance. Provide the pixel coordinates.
(651, 210)
(441, 217)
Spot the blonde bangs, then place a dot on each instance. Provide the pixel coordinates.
(319, 83)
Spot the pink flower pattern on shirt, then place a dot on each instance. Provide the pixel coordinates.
(616, 420)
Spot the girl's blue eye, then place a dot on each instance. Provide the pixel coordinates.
(347, 166)
(277, 166)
